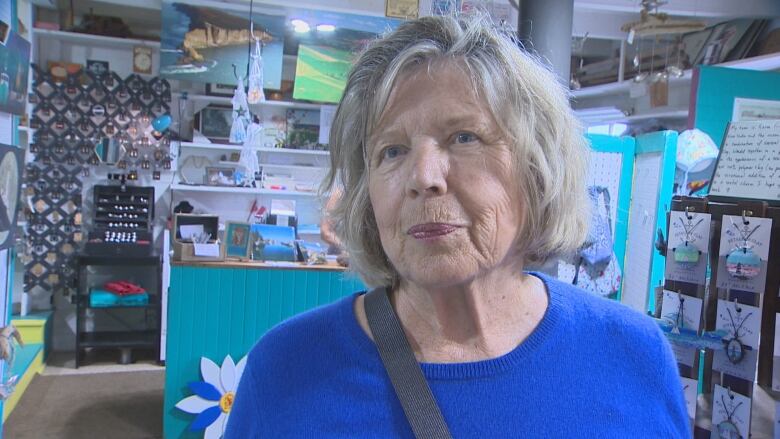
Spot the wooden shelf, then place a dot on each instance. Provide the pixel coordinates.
(239, 190)
(93, 40)
(217, 146)
(224, 100)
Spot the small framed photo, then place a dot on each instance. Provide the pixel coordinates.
(237, 240)
(215, 122)
(98, 68)
(220, 90)
(220, 176)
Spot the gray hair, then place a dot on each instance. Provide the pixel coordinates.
(529, 104)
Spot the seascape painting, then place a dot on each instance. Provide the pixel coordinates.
(272, 243)
(201, 44)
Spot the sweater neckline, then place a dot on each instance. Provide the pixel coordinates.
(475, 369)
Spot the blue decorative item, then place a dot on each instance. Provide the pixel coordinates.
(161, 123)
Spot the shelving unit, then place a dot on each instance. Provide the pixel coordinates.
(232, 147)
(763, 62)
(148, 337)
(239, 190)
(90, 40)
(224, 100)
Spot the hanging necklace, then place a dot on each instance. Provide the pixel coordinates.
(728, 429)
(742, 263)
(687, 254)
(679, 320)
(735, 349)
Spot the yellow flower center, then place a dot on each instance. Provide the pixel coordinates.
(226, 402)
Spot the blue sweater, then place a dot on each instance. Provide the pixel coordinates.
(592, 368)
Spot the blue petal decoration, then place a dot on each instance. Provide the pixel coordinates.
(205, 390)
(205, 418)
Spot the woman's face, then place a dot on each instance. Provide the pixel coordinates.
(441, 180)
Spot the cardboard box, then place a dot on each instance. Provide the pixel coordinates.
(184, 250)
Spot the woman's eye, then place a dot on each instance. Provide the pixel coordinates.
(392, 152)
(465, 138)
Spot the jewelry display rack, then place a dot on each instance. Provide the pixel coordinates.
(765, 300)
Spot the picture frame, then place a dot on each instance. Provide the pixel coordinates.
(98, 68)
(215, 122)
(219, 176)
(225, 90)
(237, 240)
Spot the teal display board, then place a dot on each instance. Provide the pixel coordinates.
(715, 90)
(653, 183)
(214, 312)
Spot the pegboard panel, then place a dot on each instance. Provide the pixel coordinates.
(611, 160)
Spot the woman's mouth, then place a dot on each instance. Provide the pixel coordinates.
(430, 231)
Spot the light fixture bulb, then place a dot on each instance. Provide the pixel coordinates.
(325, 28)
(300, 26)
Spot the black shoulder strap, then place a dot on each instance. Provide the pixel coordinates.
(410, 385)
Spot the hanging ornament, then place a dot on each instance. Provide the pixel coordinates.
(728, 428)
(687, 254)
(248, 158)
(255, 94)
(735, 349)
(743, 263)
(240, 114)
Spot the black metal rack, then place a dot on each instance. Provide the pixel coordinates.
(126, 340)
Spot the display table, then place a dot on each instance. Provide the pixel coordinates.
(222, 308)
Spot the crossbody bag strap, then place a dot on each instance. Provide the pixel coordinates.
(409, 384)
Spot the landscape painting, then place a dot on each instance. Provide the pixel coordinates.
(202, 43)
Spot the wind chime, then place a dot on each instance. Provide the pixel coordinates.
(246, 127)
(658, 26)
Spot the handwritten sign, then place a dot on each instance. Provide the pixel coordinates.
(749, 163)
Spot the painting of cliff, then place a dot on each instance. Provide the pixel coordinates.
(201, 44)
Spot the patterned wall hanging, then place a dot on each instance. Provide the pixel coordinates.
(54, 226)
(82, 121)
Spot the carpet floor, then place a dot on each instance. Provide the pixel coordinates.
(115, 405)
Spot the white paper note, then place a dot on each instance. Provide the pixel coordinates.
(690, 390)
(326, 119)
(187, 231)
(209, 250)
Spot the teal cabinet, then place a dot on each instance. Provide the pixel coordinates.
(214, 311)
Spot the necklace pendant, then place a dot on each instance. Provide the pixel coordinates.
(686, 254)
(728, 430)
(735, 350)
(743, 264)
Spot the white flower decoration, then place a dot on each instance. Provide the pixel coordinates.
(213, 398)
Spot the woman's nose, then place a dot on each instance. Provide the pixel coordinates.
(429, 171)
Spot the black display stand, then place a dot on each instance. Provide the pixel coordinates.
(126, 340)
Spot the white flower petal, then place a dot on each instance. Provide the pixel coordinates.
(240, 369)
(227, 375)
(210, 372)
(195, 404)
(216, 429)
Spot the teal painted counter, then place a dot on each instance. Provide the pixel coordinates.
(218, 310)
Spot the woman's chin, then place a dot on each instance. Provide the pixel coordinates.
(438, 272)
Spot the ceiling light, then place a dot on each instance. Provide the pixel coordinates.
(325, 28)
(300, 26)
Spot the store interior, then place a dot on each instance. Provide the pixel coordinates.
(161, 166)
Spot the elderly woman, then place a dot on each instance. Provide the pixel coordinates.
(461, 164)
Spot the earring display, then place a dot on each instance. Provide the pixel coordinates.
(54, 232)
(123, 221)
(741, 325)
(687, 251)
(744, 251)
(730, 414)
